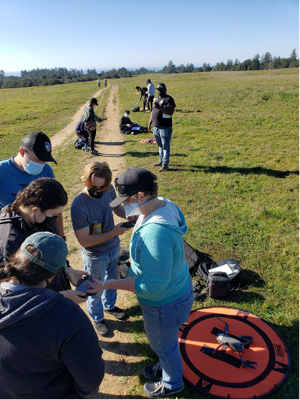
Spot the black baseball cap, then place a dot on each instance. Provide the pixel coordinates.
(161, 86)
(131, 182)
(40, 144)
(94, 101)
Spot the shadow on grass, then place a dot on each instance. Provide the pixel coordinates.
(251, 278)
(110, 143)
(138, 154)
(230, 170)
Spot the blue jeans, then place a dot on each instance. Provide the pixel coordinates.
(163, 139)
(103, 267)
(162, 325)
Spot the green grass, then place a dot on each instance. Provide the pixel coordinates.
(234, 161)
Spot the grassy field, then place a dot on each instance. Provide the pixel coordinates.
(234, 173)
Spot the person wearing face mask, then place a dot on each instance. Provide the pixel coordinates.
(48, 347)
(159, 275)
(91, 129)
(161, 118)
(127, 126)
(29, 164)
(98, 236)
(36, 209)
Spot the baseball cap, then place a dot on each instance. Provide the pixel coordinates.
(53, 250)
(94, 101)
(131, 182)
(40, 144)
(148, 80)
(161, 86)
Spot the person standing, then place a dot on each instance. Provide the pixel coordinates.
(151, 91)
(161, 118)
(159, 275)
(28, 165)
(98, 82)
(48, 347)
(144, 94)
(94, 228)
(91, 118)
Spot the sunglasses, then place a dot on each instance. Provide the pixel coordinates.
(126, 189)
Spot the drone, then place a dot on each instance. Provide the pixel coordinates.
(236, 345)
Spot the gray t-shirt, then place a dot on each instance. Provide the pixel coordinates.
(86, 210)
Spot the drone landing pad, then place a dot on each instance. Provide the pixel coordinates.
(221, 374)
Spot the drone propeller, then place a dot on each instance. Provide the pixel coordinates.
(226, 325)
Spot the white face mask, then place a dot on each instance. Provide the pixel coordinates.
(131, 209)
(126, 115)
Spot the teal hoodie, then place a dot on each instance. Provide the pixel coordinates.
(157, 256)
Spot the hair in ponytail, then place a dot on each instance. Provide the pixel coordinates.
(22, 268)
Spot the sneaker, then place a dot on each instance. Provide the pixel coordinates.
(157, 164)
(153, 372)
(94, 153)
(101, 327)
(163, 168)
(155, 390)
(117, 313)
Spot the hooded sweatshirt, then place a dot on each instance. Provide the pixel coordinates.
(157, 256)
(48, 347)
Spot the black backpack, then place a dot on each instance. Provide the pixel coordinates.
(229, 266)
(80, 142)
(135, 109)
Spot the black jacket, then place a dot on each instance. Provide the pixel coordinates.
(48, 347)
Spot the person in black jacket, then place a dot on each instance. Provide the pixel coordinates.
(48, 347)
(35, 209)
(144, 92)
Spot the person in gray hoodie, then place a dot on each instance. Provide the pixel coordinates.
(159, 275)
(48, 347)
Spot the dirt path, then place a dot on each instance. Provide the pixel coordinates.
(120, 376)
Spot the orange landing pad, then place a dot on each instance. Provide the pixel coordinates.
(221, 374)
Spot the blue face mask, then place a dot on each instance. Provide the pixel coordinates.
(33, 168)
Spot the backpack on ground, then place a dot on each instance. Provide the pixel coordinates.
(80, 143)
(229, 266)
(135, 109)
(191, 257)
(219, 277)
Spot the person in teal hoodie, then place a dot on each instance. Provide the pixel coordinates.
(159, 275)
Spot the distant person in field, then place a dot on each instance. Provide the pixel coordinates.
(29, 164)
(92, 117)
(161, 118)
(127, 126)
(81, 130)
(98, 82)
(151, 91)
(48, 347)
(144, 94)
(105, 82)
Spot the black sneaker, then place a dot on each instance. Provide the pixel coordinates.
(153, 372)
(101, 327)
(157, 164)
(117, 313)
(155, 390)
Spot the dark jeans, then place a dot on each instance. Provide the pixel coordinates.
(91, 140)
(145, 102)
(150, 102)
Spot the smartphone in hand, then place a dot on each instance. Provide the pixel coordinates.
(128, 224)
(84, 284)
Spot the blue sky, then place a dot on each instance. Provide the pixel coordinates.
(109, 34)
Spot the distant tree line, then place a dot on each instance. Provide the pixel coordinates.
(55, 76)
